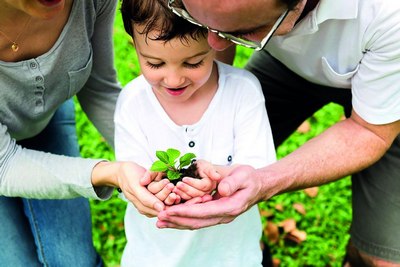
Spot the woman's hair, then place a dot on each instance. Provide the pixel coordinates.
(156, 15)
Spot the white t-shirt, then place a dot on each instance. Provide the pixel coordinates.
(349, 44)
(234, 129)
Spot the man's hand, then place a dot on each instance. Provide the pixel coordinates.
(236, 194)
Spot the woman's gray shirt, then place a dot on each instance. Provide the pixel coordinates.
(81, 63)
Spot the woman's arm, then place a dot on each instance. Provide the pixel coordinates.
(99, 95)
(35, 174)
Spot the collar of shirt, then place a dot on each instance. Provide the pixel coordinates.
(324, 11)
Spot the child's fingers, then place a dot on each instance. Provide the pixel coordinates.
(170, 199)
(205, 184)
(163, 194)
(206, 169)
(178, 199)
(155, 187)
(188, 190)
(180, 193)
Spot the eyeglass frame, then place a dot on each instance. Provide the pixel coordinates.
(236, 40)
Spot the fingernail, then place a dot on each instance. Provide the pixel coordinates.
(170, 186)
(158, 206)
(161, 225)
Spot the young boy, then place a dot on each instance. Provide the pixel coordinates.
(186, 100)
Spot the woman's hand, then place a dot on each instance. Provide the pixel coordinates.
(132, 179)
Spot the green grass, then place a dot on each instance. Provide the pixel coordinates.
(327, 217)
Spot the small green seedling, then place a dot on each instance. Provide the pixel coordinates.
(168, 163)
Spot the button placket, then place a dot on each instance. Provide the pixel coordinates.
(189, 137)
(39, 89)
(33, 65)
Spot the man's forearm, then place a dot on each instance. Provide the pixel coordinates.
(343, 149)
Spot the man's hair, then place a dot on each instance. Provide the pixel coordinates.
(156, 15)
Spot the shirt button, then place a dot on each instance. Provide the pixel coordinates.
(38, 93)
(229, 158)
(39, 102)
(33, 65)
(38, 79)
(191, 144)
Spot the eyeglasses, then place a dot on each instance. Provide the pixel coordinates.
(234, 39)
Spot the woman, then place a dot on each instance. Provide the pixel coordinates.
(51, 50)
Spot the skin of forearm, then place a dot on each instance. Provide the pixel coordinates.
(343, 149)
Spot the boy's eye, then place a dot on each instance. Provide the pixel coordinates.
(194, 65)
(154, 66)
(187, 65)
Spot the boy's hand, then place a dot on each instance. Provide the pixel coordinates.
(236, 194)
(192, 187)
(162, 189)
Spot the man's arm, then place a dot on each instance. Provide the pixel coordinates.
(345, 148)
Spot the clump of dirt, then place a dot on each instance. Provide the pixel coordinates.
(190, 171)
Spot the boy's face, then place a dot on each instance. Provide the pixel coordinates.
(177, 70)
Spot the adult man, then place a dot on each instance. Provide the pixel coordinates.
(320, 51)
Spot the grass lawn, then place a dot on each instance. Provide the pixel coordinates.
(305, 228)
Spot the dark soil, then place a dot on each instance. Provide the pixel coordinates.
(190, 171)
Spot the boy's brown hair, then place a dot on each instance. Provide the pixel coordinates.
(156, 15)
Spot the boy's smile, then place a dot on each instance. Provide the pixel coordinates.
(176, 91)
(178, 70)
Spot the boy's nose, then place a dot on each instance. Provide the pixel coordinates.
(174, 80)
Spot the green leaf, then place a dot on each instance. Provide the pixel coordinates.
(173, 175)
(163, 156)
(186, 159)
(173, 154)
(159, 166)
